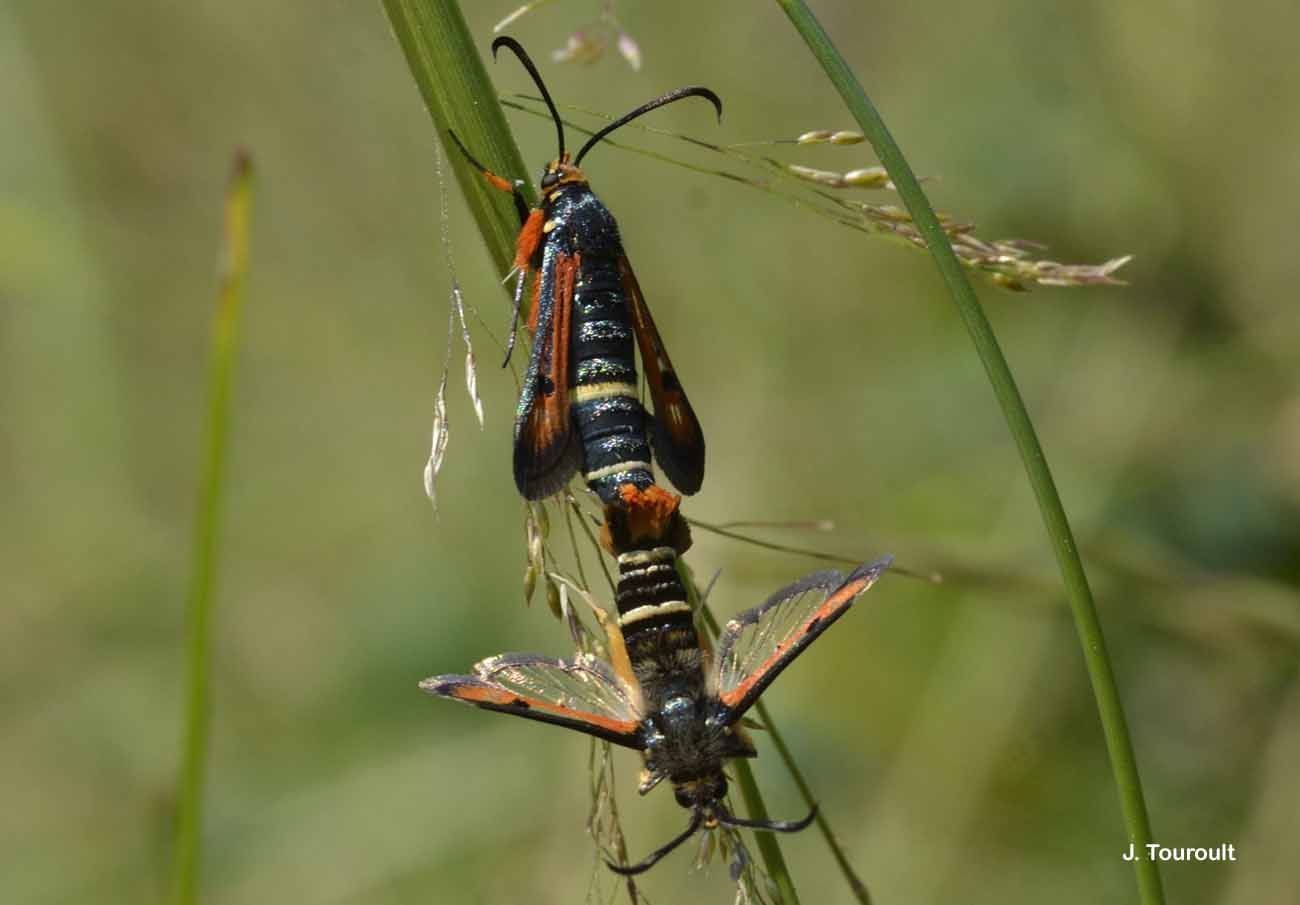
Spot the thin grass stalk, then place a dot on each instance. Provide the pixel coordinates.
(450, 74)
(224, 345)
(1087, 624)
(769, 849)
(856, 886)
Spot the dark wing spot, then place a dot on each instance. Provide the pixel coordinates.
(670, 381)
(521, 704)
(548, 386)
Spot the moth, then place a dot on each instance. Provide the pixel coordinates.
(662, 692)
(579, 408)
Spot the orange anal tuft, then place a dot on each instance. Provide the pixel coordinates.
(649, 511)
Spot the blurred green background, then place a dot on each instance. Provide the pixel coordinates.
(949, 731)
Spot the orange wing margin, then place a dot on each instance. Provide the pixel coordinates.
(582, 694)
(676, 434)
(546, 450)
(738, 693)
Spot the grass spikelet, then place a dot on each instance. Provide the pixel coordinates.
(826, 136)
(441, 435)
(517, 14)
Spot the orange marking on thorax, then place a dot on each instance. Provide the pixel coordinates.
(530, 236)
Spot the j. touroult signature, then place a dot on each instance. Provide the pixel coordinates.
(1225, 851)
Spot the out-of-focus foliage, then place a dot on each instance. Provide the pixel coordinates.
(948, 730)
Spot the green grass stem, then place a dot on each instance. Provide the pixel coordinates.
(769, 849)
(224, 345)
(856, 886)
(1087, 624)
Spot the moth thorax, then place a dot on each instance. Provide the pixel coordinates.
(679, 710)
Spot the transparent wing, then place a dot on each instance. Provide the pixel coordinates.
(582, 693)
(756, 645)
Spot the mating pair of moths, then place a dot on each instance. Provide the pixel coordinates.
(663, 692)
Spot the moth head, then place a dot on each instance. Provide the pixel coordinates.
(701, 792)
(559, 173)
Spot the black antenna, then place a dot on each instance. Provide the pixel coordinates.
(693, 91)
(726, 818)
(654, 857)
(519, 51)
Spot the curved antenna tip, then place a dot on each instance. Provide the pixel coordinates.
(518, 50)
(717, 101)
(504, 41)
(662, 100)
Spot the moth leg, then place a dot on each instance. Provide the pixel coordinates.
(500, 183)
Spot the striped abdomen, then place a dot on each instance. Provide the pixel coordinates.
(608, 414)
(657, 625)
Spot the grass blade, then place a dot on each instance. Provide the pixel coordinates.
(447, 68)
(224, 340)
(1087, 624)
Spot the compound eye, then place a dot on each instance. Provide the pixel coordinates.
(549, 179)
(684, 797)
